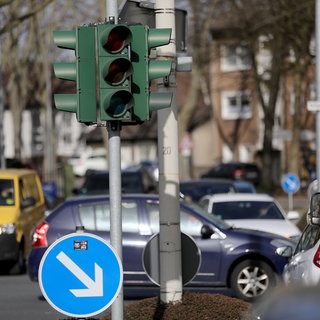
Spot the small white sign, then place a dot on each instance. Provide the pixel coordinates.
(313, 106)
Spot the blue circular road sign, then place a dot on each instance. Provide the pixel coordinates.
(80, 275)
(290, 183)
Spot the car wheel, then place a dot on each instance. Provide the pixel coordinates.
(252, 280)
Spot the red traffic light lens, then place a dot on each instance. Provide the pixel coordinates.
(115, 42)
(117, 39)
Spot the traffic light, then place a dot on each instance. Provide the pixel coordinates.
(115, 70)
(146, 69)
(82, 71)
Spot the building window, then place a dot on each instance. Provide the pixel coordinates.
(234, 58)
(235, 105)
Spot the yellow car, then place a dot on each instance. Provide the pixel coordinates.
(22, 206)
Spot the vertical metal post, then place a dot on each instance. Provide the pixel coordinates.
(48, 126)
(2, 155)
(318, 91)
(114, 156)
(170, 235)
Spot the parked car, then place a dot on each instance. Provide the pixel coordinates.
(235, 171)
(133, 180)
(95, 159)
(303, 267)
(195, 189)
(244, 186)
(22, 206)
(244, 260)
(252, 211)
(153, 166)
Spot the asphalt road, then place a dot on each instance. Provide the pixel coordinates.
(22, 299)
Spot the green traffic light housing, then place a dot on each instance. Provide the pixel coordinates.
(115, 70)
(82, 71)
(146, 69)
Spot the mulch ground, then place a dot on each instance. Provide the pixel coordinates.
(194, 306)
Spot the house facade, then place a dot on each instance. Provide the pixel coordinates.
(235, 127)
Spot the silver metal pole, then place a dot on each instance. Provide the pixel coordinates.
(2, 155)
(49, 126)
(170, 235)
(318, 91)
(114, 156)
(112, 9)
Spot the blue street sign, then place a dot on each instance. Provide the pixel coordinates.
(80, 275)
(290, 183)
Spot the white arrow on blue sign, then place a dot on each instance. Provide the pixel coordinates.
(80, 275)
(290, 183)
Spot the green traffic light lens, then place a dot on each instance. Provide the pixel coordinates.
(119, 103)
(117, 71)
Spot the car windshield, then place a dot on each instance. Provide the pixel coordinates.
(213, 219)
(131, 182)
(196, 192)
(96, 184)
(246, 210)
(6, 192)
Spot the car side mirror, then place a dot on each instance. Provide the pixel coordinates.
(315, 209)
(206, 232)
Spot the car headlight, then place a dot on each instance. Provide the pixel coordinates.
(7, 228)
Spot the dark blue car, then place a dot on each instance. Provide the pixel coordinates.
(244, 260)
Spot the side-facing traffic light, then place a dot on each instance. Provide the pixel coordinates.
(115, 70)
(82, 71)
(146, 69)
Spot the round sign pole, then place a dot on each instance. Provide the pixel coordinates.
(290, 201)
(290, 184)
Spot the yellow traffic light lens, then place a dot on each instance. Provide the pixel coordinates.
(117, 71)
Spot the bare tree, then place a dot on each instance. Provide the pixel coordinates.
(27, 49)
(276, 24)
(298, 22)
(287, 27)
(201, 22)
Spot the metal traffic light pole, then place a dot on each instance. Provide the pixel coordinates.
(317, 7)
(2, 155)
(170, 235)
(114, 160)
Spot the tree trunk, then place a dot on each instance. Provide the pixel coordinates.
(295, 152)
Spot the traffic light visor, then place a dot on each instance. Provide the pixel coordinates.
(66, 39)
